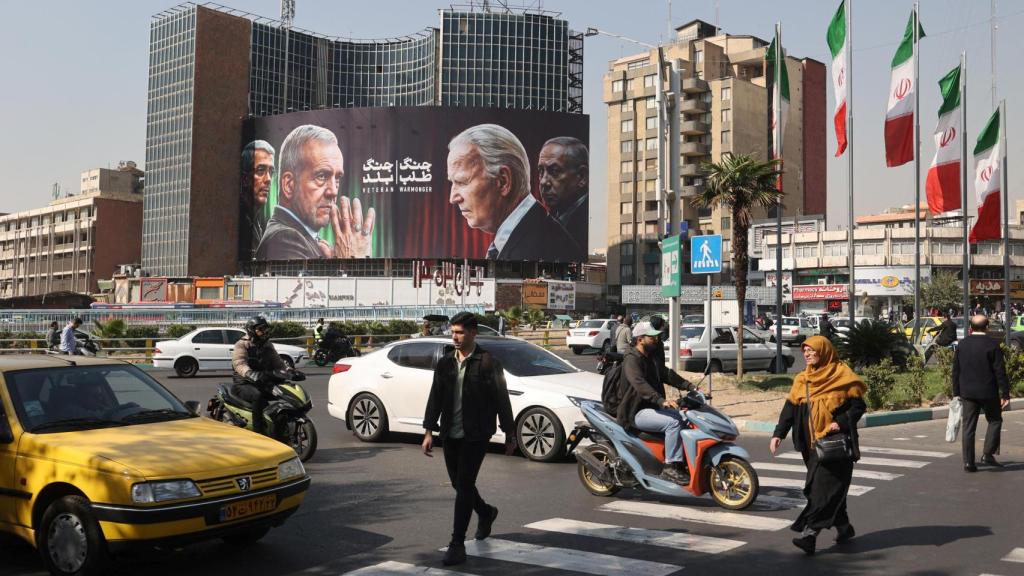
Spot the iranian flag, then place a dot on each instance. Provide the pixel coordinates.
(987, 182)
(837, 45)
(780, 78)
(943, 183)
(899, 116)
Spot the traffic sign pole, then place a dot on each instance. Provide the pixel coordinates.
(706, 258)
(709, 321)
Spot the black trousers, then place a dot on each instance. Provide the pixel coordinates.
(254, 396)
(825, 489)
(969, 422)
(463, 459)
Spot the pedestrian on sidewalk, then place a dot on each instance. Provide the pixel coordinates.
(834, 406)
(979, 379)
(468, 395)
(624, 335)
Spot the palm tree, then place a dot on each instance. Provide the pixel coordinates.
(514, 316)
(740, 182)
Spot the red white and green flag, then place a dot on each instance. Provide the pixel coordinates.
(836, 38)
(899, 116)
(780, 97)
(987, 176)
(943, 182)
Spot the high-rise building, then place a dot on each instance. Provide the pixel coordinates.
(724, 108)
(211, 68)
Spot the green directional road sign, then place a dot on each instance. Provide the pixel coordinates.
(670, 267)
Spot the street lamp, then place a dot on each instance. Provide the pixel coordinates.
(666, 102)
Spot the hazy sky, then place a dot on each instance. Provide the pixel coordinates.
(75, 75)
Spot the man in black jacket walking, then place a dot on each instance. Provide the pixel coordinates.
(979, 379)
(468, 395)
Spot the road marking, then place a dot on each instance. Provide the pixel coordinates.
(902, 452)
(870, 461)
(714, 517)
(1015, 555)
(566, 559)
(679, 540)
(855, 489)
(867, 474)
(400, 568)
(901, 438)
(921, 436)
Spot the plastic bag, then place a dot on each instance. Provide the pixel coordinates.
(953, 420)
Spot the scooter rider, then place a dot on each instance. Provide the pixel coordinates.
(254, 360)
(318, 331)
(644, 406)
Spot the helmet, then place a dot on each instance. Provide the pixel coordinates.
(255, 323)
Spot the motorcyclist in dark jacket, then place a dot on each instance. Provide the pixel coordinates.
(255, 361)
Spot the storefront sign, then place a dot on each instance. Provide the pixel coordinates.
(820, 292)
(987, 287)
(561, 296)
(888, 280)
(535, 294)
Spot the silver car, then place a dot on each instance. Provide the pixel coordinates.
(693, 346)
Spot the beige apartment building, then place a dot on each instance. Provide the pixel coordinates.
(73, 241)
(724, 108)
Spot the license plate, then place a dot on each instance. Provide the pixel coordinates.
(249, 507)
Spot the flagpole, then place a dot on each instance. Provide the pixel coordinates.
(849, 156)
(917, 181)
(963, 180)
(1006, 221)
(776, 141)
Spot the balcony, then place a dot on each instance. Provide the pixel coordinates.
(694, 128)
(694, 85)
(694, 149)
(693, 106)
(691, 191)
(690, 169)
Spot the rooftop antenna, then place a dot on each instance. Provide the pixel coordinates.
(56, 190)
(287, 13)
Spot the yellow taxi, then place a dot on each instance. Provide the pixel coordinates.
(96, 456)
(926, 323)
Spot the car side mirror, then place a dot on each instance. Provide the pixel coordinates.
(6, 435)
(193, 406)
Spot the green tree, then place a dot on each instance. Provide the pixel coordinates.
(739, 183)
(514, 316)
(944, 291)
(535, 317)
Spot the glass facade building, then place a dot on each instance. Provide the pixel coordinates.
(525, 60)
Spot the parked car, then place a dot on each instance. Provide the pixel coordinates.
(596, 334)
(925, 323)
(693, 318)
(386, 391)
(795, 329)
(206, 349)
(100, 458)
(842, 324)
(693, 346)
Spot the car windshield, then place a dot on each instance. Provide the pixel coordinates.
(691, 332)
(790, 322)
(693, 319)
(591, 324)
(87, 397)
(525, 359)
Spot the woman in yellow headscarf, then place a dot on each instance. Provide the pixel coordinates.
(836, 404)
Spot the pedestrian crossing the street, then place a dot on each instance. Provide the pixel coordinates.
(781, 491)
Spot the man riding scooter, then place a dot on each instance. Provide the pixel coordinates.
(255, 360)
(644, 407)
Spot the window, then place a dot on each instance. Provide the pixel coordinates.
(651, 143)
(626, 167)
(626, 146)
(650, 185)
(626, 273)
(727, 248)
(749, 337)
(650, 80)
(208, 337)
(807, 251)
(626, 188)
(726, 222)
(626, 208)
(419, 355)
(651, 123)
(726, 114)
(651, 164)
(233, 336)
(906, 247)
(726, 92)
(617, 86)
(626, 106)
(989, 248)
(724, 336)
(626, 249)
(651, 103)
(726, 137)
(630, 84)
(698, 57)
(627, 125)
(868, 248)
(939, 247)
(208, 293)
(650, 228)
(834, 249)
(626, 229)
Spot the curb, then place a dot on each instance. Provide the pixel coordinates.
(875, 419)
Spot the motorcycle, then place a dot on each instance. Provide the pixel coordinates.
(606, 359)
(286, 413)
(618, 459)
(333, 347)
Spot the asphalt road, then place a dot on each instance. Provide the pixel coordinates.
(915, 513)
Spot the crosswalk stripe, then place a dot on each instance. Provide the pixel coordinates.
(855, 489)
(715, 517)
(857, 473)
(1015, 555)
(400, 569)
(902, 452)
(678, 540)
(566, 559)
(869, 461)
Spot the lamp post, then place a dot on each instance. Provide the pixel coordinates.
(666, 101)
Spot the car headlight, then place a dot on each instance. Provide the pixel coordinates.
(290, 469)
(150, 492)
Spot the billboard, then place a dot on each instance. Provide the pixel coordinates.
(307, 292)
(416, 182)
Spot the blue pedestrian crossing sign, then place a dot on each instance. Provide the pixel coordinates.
(706, 254)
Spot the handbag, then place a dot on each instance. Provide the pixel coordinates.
(834, 447)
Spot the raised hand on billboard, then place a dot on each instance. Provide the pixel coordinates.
(352, 232)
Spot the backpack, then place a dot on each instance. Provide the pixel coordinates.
(610, 395)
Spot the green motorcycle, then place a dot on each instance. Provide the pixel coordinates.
(286, 414)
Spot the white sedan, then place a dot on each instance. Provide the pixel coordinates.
(210, 349)
(387, 390)
(597, 334)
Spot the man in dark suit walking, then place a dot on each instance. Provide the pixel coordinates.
(468, 395)
(490, 185)
(979, 379)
